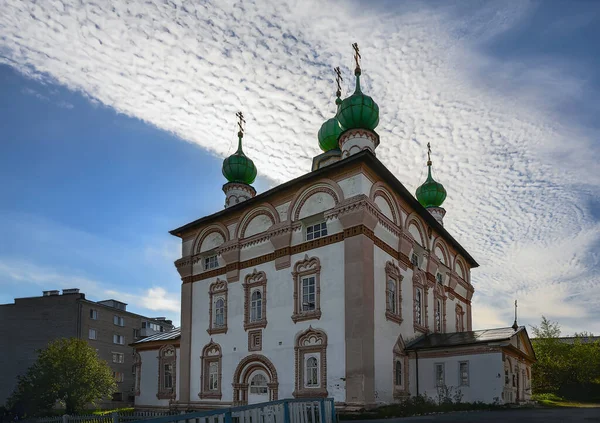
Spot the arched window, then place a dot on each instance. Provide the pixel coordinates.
(391, 297)
(398, 373)
(418, 309)
(213, 376)
(438, 315)
(256, 306)
(258, 384)
(210, 362)
(220, 313)
(167, 361)
(312, 372)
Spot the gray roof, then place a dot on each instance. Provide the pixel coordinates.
(456, 339)
(163, 336)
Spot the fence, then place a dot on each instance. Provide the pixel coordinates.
(282, 411)
(121, 417)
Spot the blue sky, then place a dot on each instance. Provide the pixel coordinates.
(114, 122)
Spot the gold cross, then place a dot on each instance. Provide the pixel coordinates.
(429, 151)
(356, 55)
(241, 121)
(338, 79)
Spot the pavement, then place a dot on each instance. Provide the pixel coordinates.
(544, 415)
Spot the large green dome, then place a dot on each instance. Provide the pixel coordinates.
(358, 111)
(431, 193)
(330, 132)
(238, 167)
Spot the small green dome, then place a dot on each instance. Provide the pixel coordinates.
(431, 193)
(328, 134)
(358, 111)
(238, 167)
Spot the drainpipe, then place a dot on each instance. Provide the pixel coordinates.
(417, 366)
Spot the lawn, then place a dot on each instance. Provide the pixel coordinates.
(551, 400)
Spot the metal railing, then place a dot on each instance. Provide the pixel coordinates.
(282, 411)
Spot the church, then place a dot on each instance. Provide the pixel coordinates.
(339, 283)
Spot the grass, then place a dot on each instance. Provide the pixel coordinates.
(554, 401)
(116, 410)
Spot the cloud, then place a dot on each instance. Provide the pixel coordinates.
(516, 170)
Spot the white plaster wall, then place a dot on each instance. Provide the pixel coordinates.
(316, 203)
(257, 225)
(186, 247)
(256, 250)
(280, 327)
(414, 231)
(384, 207)
(355, 185)
(486, 376)
(149, 381)
(232, 230)
(213, 240)
(386, 236)
(282, 209)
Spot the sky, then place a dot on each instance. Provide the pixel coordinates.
(115, 118)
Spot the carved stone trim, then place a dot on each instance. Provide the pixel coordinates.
(419, 283)
(460, 318)
(211, 353)
(307, 267)
(255, 340)
(310, 192)
(252, 281)
(392, 273)
(400, 392)
(167, 355)
(137, 365)
(307, 342)
(217, 289)
(242, 374)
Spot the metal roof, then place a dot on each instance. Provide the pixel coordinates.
(455, 339)
(162, 336)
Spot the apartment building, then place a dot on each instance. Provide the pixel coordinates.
(31, 323)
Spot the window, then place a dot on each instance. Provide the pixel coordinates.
(93, 314)
(438, 315)
(256, 306)
(440, 379)
(316, 231)
(391, 296)
(506, 377)
(92, 334)
(418, 308)
(119, 376)
(220, 313)
(398, 373)
(117, 396)
(258, 384)
(210, 362)
(167, 361)
(255, 300)
(414, 259)
(118, 357)
(118, 339)
(460, 322)
(307, 291)
(439, 278)
(463, 373)
(118, 320)
(311, 370)
(218, 307)
(211, 262)
(136, 334)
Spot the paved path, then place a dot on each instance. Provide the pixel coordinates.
(546, 415)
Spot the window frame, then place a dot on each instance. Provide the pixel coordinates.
(120, 357)
(118, 376)
(437, 383)
(312, 343)
(315, 233)
(93, 314)
(94, 331)
(118, 320)
(117, 338)
(392, 275)
(210, 262)
(167, 355)
(460, 376)
(211, 354)
(264, 387)
(305, 269)
(307, 282)
(420, 286)
(460, 318)
(309, 382)
(218, 290)
(255, 281)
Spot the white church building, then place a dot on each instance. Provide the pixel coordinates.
(339, 283)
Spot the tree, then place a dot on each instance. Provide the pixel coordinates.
(69, 372)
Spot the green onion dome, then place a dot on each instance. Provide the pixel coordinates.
(330, 132)
(358, 111)
(238, 167)
(431, 193)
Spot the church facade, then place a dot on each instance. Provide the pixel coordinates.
(339, 283)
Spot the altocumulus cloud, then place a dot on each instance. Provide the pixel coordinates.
(518, 187)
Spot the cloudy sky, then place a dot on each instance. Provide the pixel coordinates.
(115, 117)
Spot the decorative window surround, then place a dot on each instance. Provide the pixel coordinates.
(400, 357)
(255, 281)
(210, 262)
(420, 287)
(316, 230)
(393, 309)
(167, 357)
(439, 309)
(303, 270)
(310, 345)
(217, 291)
(460, 319)
(255, 340)
(137, 371)
(439, 374)
(211, 358)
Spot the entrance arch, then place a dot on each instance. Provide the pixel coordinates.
(255, 372)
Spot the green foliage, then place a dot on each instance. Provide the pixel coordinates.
(564, 368)
(68, 372)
